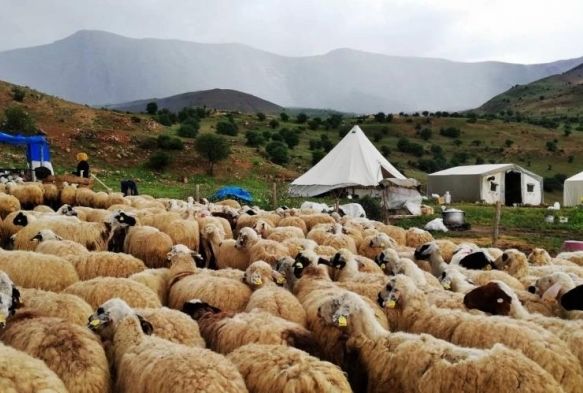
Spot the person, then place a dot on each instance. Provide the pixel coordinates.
(82, 166)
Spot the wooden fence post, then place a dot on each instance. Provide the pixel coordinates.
(274, 195)
(497, 223)
(197, 193)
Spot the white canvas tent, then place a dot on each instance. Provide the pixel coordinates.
(353, 162)
(573, 190)
(507, 183)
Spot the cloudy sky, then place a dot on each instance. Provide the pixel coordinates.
(524, 31)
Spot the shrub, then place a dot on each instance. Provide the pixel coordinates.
(334, 121)
(436, 150)
(406, 146)
(273, 123)
(191, 113)
(459, 158)
(315, 144)
(479, 161)
(570, 159)
(261, 116)
(450, 132)
(167, 142)
(266, 135)
(509, 142)
(372, 207)
(290, 137)
(554, 183)
(254, 138)
(277, 137)
(552, 146)
(18, 93)
(314, 123)
(227, 128)
(17, 120)
(149, 143)
(426, 133)
(317, 155)
(284, 116)
(380, 117)
(277, 152)
(152, 108)
(389, 118)
(188, 130)
(301, 118)
(385, 150)
(213, 148)
(377, 136)
(159, 161)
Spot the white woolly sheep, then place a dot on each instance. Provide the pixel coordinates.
(8, 204)
(155, 279)
(59, 305)
(417, 237)
(172, 325)
(29, 194)
(269, 251)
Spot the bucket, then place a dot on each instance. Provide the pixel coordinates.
(572, 245)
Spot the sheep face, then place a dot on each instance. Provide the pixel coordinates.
(67, 210)
(46, 234)
(390, 295)
(257, 273)
(425, 251)
(246, 236)
(387, 257)
(508, 259)
(445, 280)
(382, 240)
(122, 219)
(109, 314)
(339, 260)
(9, 298)
(196, 308)
(490, 298)
(539, 256)
(336, 311)
(181, 249)
(20, 220)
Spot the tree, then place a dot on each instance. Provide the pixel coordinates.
(17, 120)
(158, 161)
(290, 137)
(385, 150)
(273, 123)
(254, 138)
(314, 123)
(284, 116)
(188, 130)
(317, 155)
(389, 118)
(380, 117)
(377, 136)
(152, 108)
(301, 118)
(334, 120)
(167, 142)
(450, 132)
(425, 113)
(277, 152)
(261, 116)
(227, 128)
(213, 148)
(18, 93)
(552, 146)
(426, 133)
(509, 142)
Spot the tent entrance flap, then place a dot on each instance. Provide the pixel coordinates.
(513, 188)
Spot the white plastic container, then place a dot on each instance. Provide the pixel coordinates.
(447, 198)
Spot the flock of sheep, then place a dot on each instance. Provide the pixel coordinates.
(104, 293)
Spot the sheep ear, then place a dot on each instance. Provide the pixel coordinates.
(15, 299)
(147, 327)
(322, 261)
(573, 300)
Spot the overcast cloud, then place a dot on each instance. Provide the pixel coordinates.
(522, 31)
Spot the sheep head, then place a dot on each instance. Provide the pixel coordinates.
(493, 298)
(196, 308)
(258, 273)
(46, 234)
(247, 236)
(121, 218)
(9, 298)
(552, 286)
(426, 251)
(341, 259)
(261, 228)
(106, 318)
(382, 240)
(395, 292)
(539, 256)
(67, 210)
(388, 258)
(21, 219)
(182, 250)
(512, 261)
(338, 310)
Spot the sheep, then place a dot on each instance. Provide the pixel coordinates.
(68, 194)
(408, 310)
(296, 245)
(51, 195)
(8, 204)
(269, 251)
(396, 233)
(149, 364)
(155, 279)
(43, 209)
(371, 246)
(404, 362)
(230, 203)
(498, 298)
(71, 351)
(32, 270)
(172, 325)
(226, 331)
(540, 257)
(312, 220)
(430, 251)
(93, 235)
(347, 266)
(231, 256)
(515, 263)
(575, 257)
(106, 264)
(293, 222)
(446, 248)
(268, 297)
(339, 240)
(562, 288)
(417, 237)
(266, 231)
(100, 289)
(29, 194)
(186, 283)
(391, 264)
(181, 231)
(84, 197)
(319, 232)
(59, 305)
(279, 368)
(148, 244)
(24, 373)
(51, 243)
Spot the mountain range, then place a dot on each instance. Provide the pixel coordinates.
(98, 68)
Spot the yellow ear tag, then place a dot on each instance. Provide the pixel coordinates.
(2, 318)
(383, 265)
(95, 322)
(342, 321)
(281, 280)
(257, 281)
(391, 304)
(446, 285)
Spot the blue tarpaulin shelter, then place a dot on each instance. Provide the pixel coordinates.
(37, 149)
(233, 192)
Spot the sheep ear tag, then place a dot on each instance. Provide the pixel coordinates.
(280, 280)
(257, 281)
(391, 303)
(446, 285)
(383, 265)
(95, 322)
(342, 321)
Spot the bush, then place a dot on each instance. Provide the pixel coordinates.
(188, 130)
(254, 138)
(317, 155)
(290, 137)
(315, 144)
(436, 150)
(385, 150)
(372, 207)
(334, 121)
(149, 143)
(158, 161)
(273, 123)
(459, 158)
(277, 137)
(426, 134)
(213, 148)
(406, 146)
(450, 132)
(266, 135)
(509, 142)
(377, 136)
(479, 161)
(167, 142)
(314, 123)
(191, 113)
(261, 116)
(227, 128)
(284, 116)
(301, 118)
(17, 120)
(277, 152)
(554, 183)
(552, 146)
(152, 108)
(18, 93)
(380, 117)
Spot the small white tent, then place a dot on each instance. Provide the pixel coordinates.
(507, 183)
(353, 162)
(573, 190)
